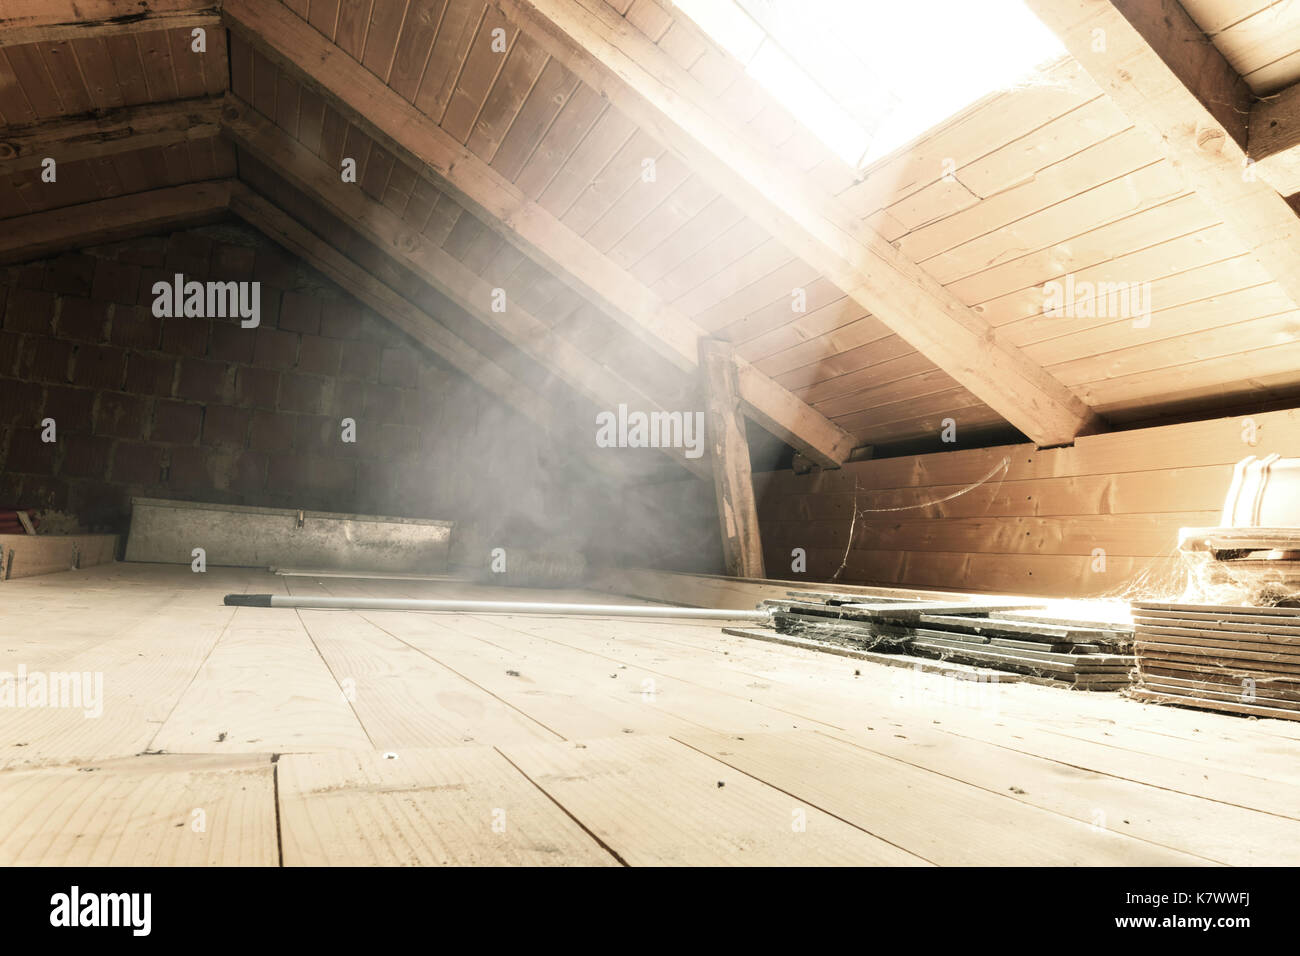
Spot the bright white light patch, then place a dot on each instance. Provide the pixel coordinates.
(866, 76)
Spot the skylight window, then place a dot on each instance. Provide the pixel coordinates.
(867, 76)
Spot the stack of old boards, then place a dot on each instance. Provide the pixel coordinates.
(996, 636)
(1244, 660)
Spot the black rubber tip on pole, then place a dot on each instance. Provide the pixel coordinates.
(248, 600)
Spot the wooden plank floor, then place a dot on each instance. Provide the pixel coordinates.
(207, 735)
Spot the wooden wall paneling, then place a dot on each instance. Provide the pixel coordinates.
(606, 136)
(700, 232)
(1110, 202)
(522, 67)
(265, 85)
(401, 182)
(986, 125)
(1176, 269)
(35, 80)
(771, 293)
(1263, 46)
(1089, 340)
(156, 57)
(15, 108)
(1271, 330)
(351, 25)
(1179, 216)
(415, 44)
(821, 299)
(324, 16)
(478, 74)
(830, 375)
(626, 214)
(779, 347)
(65, 74)
(287, 91)
(1124, 153)
(571, 125)
(460, 24)
(538, 112)
(384, 28)
(681, 206)
(692, 268)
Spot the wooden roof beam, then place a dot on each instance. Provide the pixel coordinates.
(114, 131)
(309, 173)
(40, 234)
(1275, 139)
(41, 21)
(656, 93)
(1167, 76)
(399, 126)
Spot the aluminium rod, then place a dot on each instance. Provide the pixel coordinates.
(496, 607)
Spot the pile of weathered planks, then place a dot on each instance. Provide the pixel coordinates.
(1000, 636)
(1244, 660)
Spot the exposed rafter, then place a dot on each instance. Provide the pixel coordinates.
(439, 269)
(365, 100)
(1275, 139)
(114, 131)
(110, 220)
(40, 21)
(1161, 69)
(654, 91)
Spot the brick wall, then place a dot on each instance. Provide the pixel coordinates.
(201, 409)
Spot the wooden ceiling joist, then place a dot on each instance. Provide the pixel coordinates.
(44, 21)
(110, 220)
(647, 85)
(1275, 140)
(436, 267)
(114, 131)
(366, 100)
(1166, 75)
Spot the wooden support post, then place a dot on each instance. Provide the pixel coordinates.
(742, 547)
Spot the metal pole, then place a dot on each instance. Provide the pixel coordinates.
(498, 607)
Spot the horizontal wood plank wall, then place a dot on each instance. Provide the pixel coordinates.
(1031, 528)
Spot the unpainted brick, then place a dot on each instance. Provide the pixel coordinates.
(116, 281)
(122, 416)
(319, 356)
(71, 408)
(137, 463)
(150, 374)
(300, 312)
(226, 425)
(29, 310)
(176, 422)
(135, 327)
(98, 366)
(82, 320)
(201, 381)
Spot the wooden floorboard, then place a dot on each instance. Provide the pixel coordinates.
(455, 806)
(400, 738)
(157, 810)
(657, 802)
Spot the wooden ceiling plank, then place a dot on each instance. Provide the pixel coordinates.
(125, 129)
(524, 223)
(1169, 78)
(645, 83)
(59, 20)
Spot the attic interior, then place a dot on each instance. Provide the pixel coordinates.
(898, 430)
